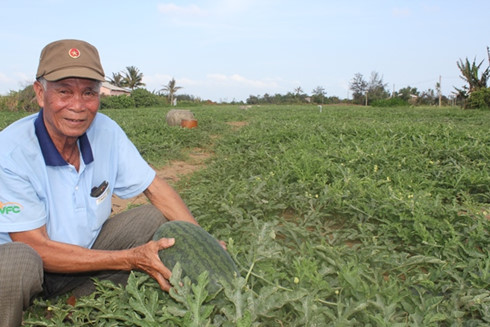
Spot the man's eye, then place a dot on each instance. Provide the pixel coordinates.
(90, 94)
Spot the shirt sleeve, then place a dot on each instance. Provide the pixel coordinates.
(21, 208)
(134, 174)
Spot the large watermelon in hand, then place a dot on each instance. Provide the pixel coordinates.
(197, 251)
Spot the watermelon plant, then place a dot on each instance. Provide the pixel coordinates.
(349, 217)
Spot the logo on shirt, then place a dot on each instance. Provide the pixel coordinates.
(10, 207)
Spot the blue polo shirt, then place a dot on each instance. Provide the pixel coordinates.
(38, 187)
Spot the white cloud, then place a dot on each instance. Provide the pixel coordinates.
(217, 77)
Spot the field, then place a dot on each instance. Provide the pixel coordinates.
(351, 216)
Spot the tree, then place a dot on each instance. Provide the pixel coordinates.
(298, 91)
(358, 86)
(319, 94)
(116, 80)
(407, 93)
(171, 89)
(470, 72)
(427, 98)
(133, 78)
(376, 88)
(22, 100)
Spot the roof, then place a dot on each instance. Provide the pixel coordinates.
(111, 87)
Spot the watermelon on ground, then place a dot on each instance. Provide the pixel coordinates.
(197, 251)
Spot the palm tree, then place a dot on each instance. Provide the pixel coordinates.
(171, 89)
(116, 80)
(133, 78)
(298, 91)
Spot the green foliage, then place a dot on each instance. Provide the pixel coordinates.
(144, 98)
(350, 217)
(391, 102)
(406, 93)
(116, 102)
(470, 72)
(23, 100)
(376, 88)
(358, 86)
(364, 92)
(140, 98)
(479, 99)
(8, 117)
(131, 78)
(170, 89)
(292, 99)
(157, 141)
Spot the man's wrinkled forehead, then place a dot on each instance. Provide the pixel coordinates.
(75, 82)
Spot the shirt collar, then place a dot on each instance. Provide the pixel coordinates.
(51, 155)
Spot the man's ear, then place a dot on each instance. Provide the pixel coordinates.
(39, 90)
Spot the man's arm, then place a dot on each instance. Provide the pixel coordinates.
(66, 258)
(168, 201)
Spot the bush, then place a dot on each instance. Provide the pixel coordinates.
(8, 103)
(392, 102)
(144, 98)
(116, 102)
(23, 100)
(479, 99)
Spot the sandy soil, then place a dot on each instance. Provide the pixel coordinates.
(171, 173)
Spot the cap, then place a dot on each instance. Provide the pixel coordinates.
(70, 58)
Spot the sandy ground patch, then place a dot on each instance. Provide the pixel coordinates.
(171, 173)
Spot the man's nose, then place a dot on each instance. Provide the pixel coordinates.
(77, 103)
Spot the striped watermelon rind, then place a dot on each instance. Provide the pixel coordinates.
(197, 251)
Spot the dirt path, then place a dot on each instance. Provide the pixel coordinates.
(173, 172)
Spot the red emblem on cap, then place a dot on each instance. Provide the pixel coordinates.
(74, 53)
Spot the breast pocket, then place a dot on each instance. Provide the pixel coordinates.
(103, 205)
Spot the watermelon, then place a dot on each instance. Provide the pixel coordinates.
(197, 251)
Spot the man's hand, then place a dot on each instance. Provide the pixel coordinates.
(145, 258)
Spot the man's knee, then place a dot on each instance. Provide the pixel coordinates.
(152, 216)
(21, 274)
(130, 228)
(20, 260)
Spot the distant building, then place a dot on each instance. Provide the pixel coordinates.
(109, 90)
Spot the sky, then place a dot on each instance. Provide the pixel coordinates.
(227, 50)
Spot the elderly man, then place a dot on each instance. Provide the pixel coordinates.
(58, 171)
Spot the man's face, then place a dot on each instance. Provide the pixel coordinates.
(69, 105)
